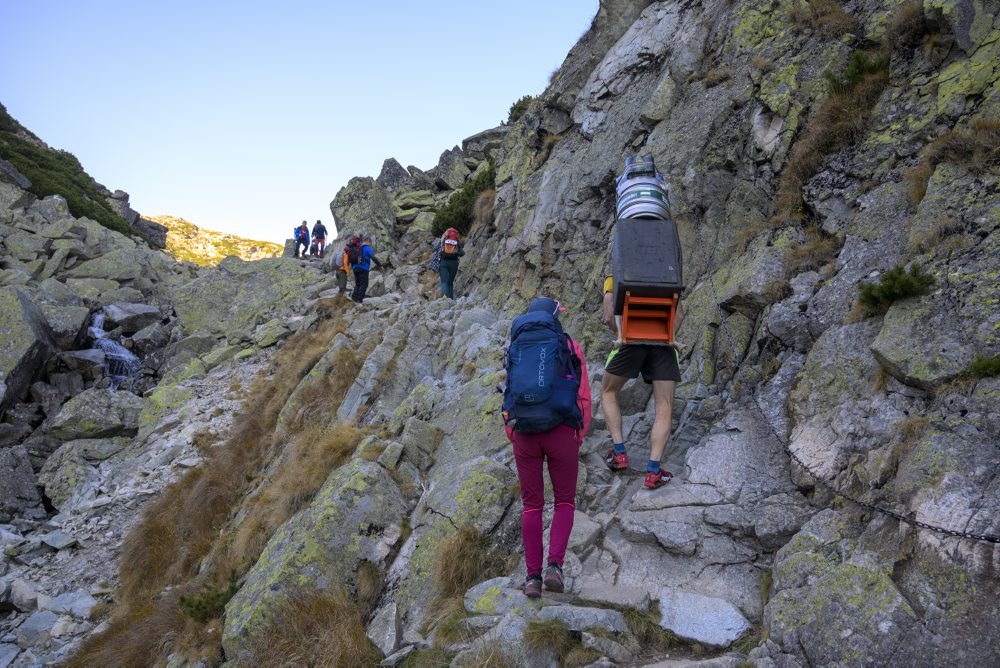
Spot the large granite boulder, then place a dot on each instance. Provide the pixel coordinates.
(356, 516)
(96, 413)
(24, 345)
(132, 317)
(231, 299)
(394, 177)
(18, 488)
(363, 207)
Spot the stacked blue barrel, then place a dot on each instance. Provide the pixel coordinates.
(646, 254)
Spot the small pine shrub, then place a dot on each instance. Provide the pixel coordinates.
(458, 211)
(860, 66)
(210, 603)
(984, 367)
(895, 284)
(519, 108)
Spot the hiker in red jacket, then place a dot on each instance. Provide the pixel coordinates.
(539, 347)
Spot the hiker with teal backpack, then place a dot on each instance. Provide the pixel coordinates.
(546, 411)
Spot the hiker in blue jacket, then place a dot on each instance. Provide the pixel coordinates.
(361, 269)
(302, 238)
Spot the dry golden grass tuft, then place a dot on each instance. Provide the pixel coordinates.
(549, 634)
(545, 150)
(761, 63)
(491, 656)
(185, 523)
(645, 626)
(840, 121)
(444, 617)
(313, 628)
(149, 631)
(882, 377)
(942, 229)
(431, 657)
(307, 461)
(368, 582)
(777, 290)
(811, 254)
(912, 428)
(483, 211)
(908, 26)
(769, 367)
(462, 560)
(827, 17)
(857, 313)
(976, 148)
(716, 76)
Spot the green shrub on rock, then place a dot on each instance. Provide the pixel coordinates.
(518, 108)
(458, 211)
(211, 603)
(895, 284)
(54, 172)
(984, 367)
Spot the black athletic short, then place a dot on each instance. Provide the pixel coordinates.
(653, 362)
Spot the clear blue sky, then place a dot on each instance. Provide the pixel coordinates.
(248, 117)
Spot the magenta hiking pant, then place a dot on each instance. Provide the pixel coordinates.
(561, 449)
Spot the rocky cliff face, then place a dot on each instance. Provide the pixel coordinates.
(367, 468)
(187, 242)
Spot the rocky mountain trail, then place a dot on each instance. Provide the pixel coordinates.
(371, 487)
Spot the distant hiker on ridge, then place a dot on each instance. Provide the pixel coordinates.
(448, 249)
(546, 412)
(361, 264)
(319, 237)
(302, 238)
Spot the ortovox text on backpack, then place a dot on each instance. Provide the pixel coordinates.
(543, 376)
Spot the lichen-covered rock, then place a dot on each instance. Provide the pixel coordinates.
(231, 299)
(356, 516)
(926, 341)
(18, 492)
(132, 317)
(477, 495)
(68, 477)
(96, 413)
(363, 207)
(23, 345)
(842, 609)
